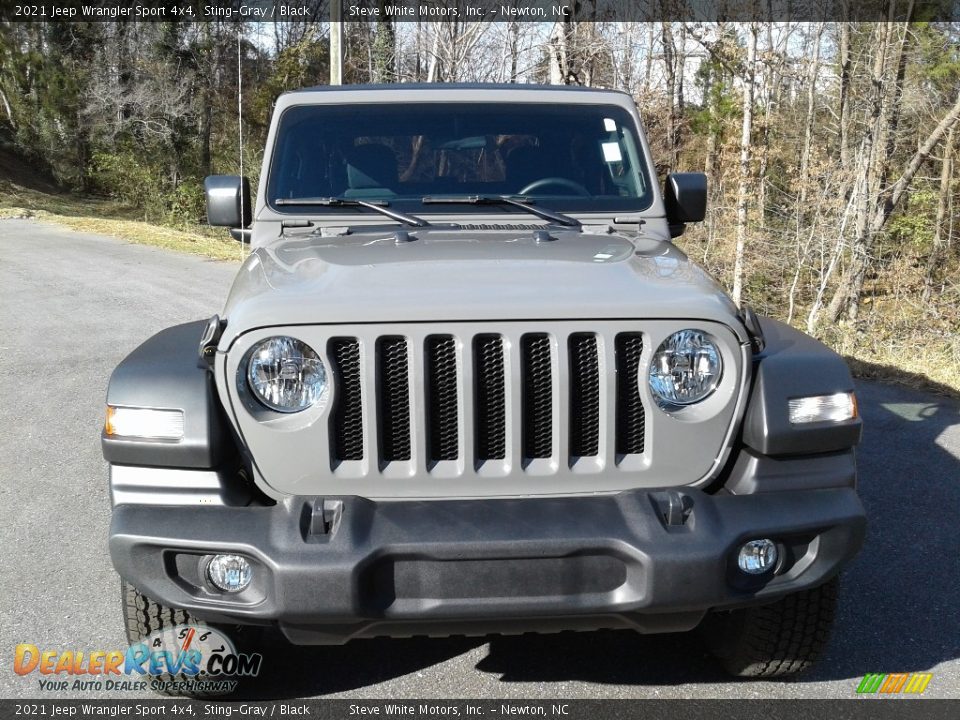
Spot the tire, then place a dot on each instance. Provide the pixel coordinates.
(145, 619)
(783, 638)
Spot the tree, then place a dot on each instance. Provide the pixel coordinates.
(941, 240)
(743, 188)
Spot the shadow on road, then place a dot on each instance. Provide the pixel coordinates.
(295, 672)
(897, 611)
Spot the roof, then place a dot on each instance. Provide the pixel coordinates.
(454, 86)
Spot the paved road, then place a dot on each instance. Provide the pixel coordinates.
(72, 305)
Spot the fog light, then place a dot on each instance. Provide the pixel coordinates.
(231, 573)
(757, 556)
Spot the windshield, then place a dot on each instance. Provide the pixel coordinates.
(563, 157)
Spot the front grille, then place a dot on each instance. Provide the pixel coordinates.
(490, 403)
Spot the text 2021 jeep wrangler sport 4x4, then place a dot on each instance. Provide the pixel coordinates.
(466, 384)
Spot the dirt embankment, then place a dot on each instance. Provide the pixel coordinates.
(15, 169)
(28, 191)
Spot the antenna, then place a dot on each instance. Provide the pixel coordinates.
(240, 123)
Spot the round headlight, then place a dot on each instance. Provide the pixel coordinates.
(686, 368)
(285, 374)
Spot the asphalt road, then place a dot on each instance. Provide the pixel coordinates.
(72, 305)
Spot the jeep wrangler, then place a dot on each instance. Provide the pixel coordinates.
(465, 383)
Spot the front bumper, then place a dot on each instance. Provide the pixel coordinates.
(328, 570)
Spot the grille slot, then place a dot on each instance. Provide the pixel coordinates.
(537, 396)
(442, 418)
(346, 427)
(631, 419)
(393, 380)
(584, 395)
(491, 398)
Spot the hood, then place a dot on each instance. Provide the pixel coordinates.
(446, 275)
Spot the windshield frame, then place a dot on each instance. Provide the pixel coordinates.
(564, 204)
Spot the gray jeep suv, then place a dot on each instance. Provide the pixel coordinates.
(465, 383)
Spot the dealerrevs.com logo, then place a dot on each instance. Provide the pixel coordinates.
(894, 683)
(185, 658)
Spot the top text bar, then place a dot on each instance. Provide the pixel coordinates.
(480, 10)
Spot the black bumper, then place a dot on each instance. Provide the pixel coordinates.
(476, 566)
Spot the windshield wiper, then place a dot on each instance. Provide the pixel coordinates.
(378, 206)
(524, 203)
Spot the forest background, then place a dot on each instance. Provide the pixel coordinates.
(831, 147)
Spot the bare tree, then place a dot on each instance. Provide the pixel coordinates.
(884, 205)
(743, 188)
(887, 81)
(941, 237)
(813, 72)
(670, 67)
(844, 94)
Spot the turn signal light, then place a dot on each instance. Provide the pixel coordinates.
(823, 408)
(146, 423)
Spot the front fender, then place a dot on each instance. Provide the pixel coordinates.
(795, 365)
(165, 372)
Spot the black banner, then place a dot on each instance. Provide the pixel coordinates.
(480, 10)
(861, 709)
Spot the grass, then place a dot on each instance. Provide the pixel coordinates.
(865, 370)
(920, 356)
(900, 337)
(107, 217)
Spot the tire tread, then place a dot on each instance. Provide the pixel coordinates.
(143, 617)
(783, 638)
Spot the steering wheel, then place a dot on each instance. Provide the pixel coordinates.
(577, 188)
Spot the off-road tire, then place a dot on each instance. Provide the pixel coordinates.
(783, 638)
(143, 617)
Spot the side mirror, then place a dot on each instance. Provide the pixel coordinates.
(685, 198)
(228, 201)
